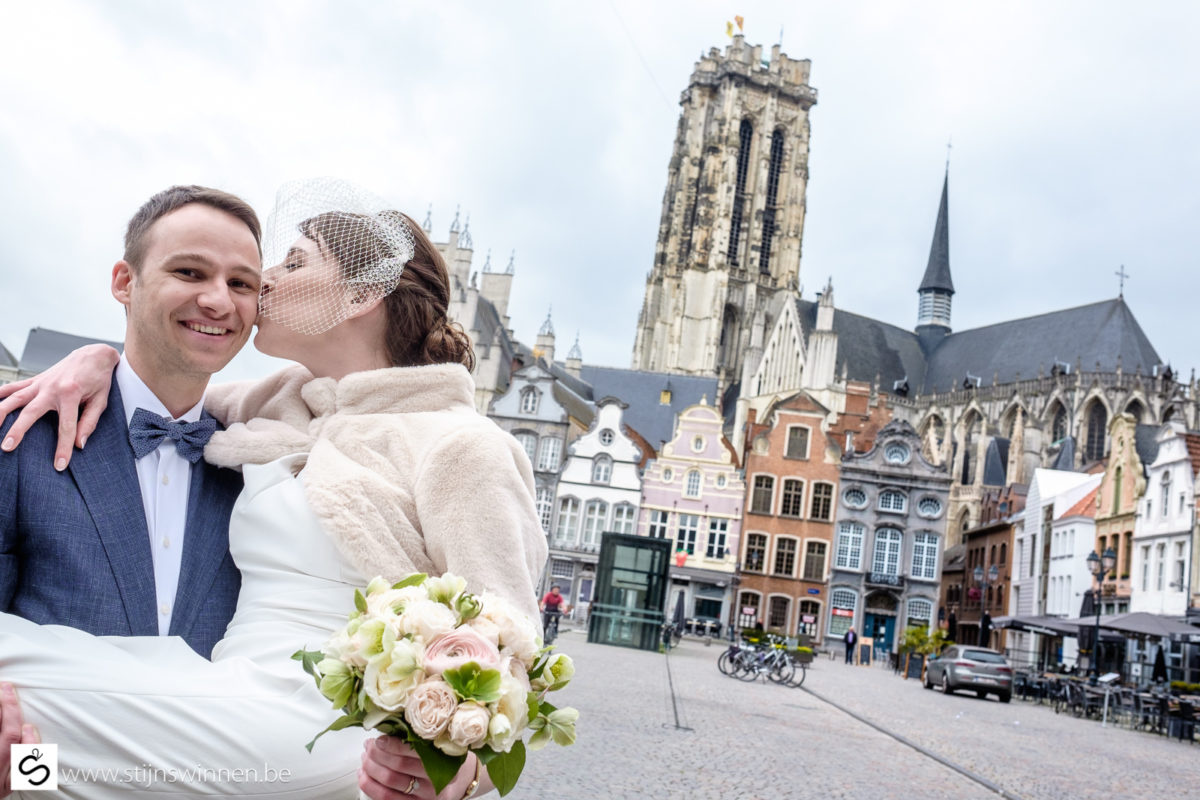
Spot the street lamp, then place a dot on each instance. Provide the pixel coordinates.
(1099, 566)
(993, 575)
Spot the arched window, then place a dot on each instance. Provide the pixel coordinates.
(841, 611)
(756, 552)
(810, 612)
(529, 443)
(548, 454)
(745, 137)
(970, 459)
(568, 519)
(925, 556)
(692, 489)
(1058, 429)
(777, 612)
(792, 503)
(886, 559)
(594, 517)
(1003, 553)
(545, 506)
(920, 613)
(1136, 410)
(1097, 422)
(624, 515)
(892, 500)
(763, 494)
(529, 401)
(785, 556)
(601, 469)
(770, 209)
(822, 501)
(1166, 492)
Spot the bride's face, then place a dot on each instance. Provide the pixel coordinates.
(301, 298)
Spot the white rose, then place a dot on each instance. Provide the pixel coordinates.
(427, 619)
(518, 634)
(430, 707)
(486, 628)
(391, 677)
(469, 726)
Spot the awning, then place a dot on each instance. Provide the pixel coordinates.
(1046, 626)
(1141, 623)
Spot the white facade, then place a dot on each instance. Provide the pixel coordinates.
(1162, 533)
(1072, 538)
(599, 490)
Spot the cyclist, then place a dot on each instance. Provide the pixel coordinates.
(553, 606)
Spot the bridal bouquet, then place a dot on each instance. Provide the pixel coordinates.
(447, 670)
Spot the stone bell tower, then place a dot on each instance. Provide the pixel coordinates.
(733, 212)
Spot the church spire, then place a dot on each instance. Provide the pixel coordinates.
(937, 287)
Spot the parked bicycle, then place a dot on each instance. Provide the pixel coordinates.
(749, 659)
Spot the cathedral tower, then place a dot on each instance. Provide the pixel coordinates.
(733, 212)
(937, 289)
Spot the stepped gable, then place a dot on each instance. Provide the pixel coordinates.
(870, 349)
(1100, 332)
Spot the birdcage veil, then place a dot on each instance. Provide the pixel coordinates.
(358, 250)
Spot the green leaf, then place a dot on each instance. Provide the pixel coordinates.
(532, 700)
(505, 768)
(416, 579)
(440, 767)
(360, 602)
(309, 660)
(337, 725)
(473, 682)
(486, 754)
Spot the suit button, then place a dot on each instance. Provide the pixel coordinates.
(164, 609)
(166, 542)
(166, 480)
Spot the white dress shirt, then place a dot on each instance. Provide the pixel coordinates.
(164, 477)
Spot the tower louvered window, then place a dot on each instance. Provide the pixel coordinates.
(773, 170)
(745, 135)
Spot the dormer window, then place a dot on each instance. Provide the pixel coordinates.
(529, 401)
(602, 469)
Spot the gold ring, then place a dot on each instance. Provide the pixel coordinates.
(413, 785)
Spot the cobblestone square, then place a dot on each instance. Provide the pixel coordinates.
(758, 740)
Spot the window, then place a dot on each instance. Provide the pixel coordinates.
(692, 489)
(774, 168)
(792, 502)
(797, 442)
(756, 552)
(1179, 566)
(568, 518)
(593, 521)
(896, 453)
(1097, 422)
(529, 401)
(1003, 553)
(689, 525)
(1160, 563)
(777, 612)
(606, 437)
(749, 600)
(562, 569)
(855, 498)
(717, 528)
(925, 556)
(1146, 568)
(1166, 492)
(657, 528)
(920, 613)
(545, 507)
(891, 500)
(822, 501)
(887, 552)
(602, 469)
(929, 507)
(849, 545)
(528, 442)
(761, 498)
(745, 136)
(668, 474)
(698, 443)
(810, 610)
(548, 454)
(623, 516)
(1059, 428)
(841, 611)
(814, 561)
(785, 556)
(721, 481)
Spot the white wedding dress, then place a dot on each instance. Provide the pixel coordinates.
(148, 717)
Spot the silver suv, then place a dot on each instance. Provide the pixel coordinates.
(976, 669)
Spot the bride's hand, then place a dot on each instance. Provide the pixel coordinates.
(76, 388)
(389, 766)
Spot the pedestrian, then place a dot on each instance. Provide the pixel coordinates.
(850, 638)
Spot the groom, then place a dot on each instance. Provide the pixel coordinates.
(131, 537)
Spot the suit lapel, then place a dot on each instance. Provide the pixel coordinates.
(106, 475)
(205, 545)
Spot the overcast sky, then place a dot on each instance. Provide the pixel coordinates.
(1074, 128)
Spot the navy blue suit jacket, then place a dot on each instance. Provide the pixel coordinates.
(75, 549)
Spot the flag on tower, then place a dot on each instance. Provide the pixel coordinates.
(729, 29)
(739, 21)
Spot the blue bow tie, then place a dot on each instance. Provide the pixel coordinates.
(147, 431)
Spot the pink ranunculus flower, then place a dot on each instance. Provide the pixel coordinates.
(452, 650)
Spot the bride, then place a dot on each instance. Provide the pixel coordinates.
(368, 458)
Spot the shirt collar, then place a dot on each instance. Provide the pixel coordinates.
(136, 394)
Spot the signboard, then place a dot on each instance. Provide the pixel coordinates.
(808, 619)
(884, 579)
(916, 666)
(814, 591)
(749, 610)
(864, 653)
(843, 612)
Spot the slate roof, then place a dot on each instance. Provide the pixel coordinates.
(641, 390)
(937, 271)
(1100, 332)
(995, 462)
(868, 348)
(955, 558)
(7, 359)
(44, 347)
(1145, 441)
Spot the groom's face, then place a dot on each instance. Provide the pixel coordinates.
(193, 300)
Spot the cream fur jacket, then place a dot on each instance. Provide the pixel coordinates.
(402, 471)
